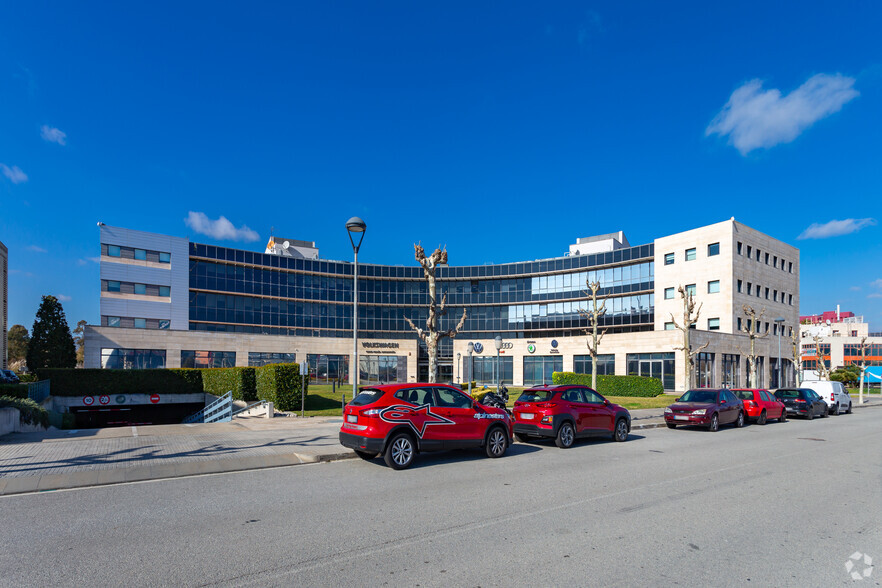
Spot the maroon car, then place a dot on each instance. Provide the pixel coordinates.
(706, 407)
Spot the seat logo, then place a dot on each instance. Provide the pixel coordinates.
(418, 418)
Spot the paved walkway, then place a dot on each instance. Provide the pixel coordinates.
(58, 459)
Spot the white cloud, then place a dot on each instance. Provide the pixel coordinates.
(82, 262)
(14, 173)
(64, 298)
(35, 249)
(754, 118)
(855, 288)
(836, 228)
(875, 295)
(21, 273)
(876, 283)
(221, 229)
(53, 135)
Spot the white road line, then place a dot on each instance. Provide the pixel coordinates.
(134, 431)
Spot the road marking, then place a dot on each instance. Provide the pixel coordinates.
(134, 431)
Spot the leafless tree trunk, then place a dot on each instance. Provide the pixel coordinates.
(863, 369)
(593, 318)
(751, 329)
(689, 319)
(797, 355)
(431, 335)
(823, 372)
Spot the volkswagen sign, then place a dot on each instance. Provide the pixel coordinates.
(478, 348)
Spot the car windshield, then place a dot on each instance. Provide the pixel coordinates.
(787, 393)
(743, 394)
(535, 395)
(699, 396)
(366, 396)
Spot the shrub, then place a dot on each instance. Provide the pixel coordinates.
(634, 386)
(25, 378)
(281, 384)
(88, 382)
(465, 386)
(14, 390)
(30, 413)
(241, 381)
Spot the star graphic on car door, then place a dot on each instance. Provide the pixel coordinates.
(419, 418)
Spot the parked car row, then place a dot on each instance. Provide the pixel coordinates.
(8, 377)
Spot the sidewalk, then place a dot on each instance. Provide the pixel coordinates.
(57, 459)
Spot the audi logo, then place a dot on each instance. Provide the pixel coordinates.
(506, 345)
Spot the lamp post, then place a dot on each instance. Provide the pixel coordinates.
(498, 341)
(355, 225)
(471, 348)
(780, 322)
(459, 367)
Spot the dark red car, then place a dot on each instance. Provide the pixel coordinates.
(565, 412)
(761, 405)
(401, 420)
(706, 407)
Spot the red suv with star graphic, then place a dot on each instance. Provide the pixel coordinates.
(401, 420)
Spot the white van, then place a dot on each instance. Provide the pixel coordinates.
(833, 393)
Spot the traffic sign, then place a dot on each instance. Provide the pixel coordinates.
(154, 398)
(88, 400)
(104, 399)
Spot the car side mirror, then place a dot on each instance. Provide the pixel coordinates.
(723, 401)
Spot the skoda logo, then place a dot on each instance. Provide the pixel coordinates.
(478, 348)
(531, 348)
(554, 343)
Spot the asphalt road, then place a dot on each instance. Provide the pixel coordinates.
(777, 505)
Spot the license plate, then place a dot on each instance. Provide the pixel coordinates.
(681, 418)
(351, 418)
(527, 415)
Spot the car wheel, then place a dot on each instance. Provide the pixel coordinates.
(714, 425)
(761, 420)
(522, 438)
(671, 425)
(565, 436)
(783, 417)
(621, 432)
(400, 452)
(825, 413)
(838, 410)
(497, 443)
(739, 422)
(849, 409)
(366, 455)
(810, 414)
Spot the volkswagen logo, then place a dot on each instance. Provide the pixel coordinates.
(478, 348)
(554, 343)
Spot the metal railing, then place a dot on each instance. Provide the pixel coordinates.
(38, 391)
(219, 411)
(250, 406)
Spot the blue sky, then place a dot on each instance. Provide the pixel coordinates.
(503, 130)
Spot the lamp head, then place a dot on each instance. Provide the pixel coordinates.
(471, 347)
(498, 342)
(356, 226)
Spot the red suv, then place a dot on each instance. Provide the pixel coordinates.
(400, 420)
(565, 412)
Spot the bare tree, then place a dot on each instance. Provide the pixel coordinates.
(863, 368)
(690, 317)
(796, 359)
(751, 328)
(593, 318)
(431, 335)
(823, 372)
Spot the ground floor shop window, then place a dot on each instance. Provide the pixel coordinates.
(324, 369)
(132, 359)
(760, 373)
(382, 369)
(653, 365)
(705, 370)
(606, 364)
(538, 369)
(208, 359)
(261, 358)
(731, 370)
(485, 370)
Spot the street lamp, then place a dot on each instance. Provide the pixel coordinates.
(355, 225)
(780, 322)
(471, 348)
(459, 367)
(498, 347)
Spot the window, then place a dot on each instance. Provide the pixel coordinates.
(767, 259)
(713, 287)
(748, 250)
(164, 291)
(790, 299)
(690, 289)
(452, 398)
(767, 327)
(538, 369)
(140, 289)
(132, 359)
(141, 254)
(690, 254)
(749, 288)
(606, 364)
(164, 257)
(739, 247)
(739, 323)
(775, 262)
(731, 369)
(260, 358)
(113, 321)
(112, 286)
(485, 370)
(669, 293)
(739, 286)
(113, 250)
(775, 296)
(382, 369)
(591, 397)
(759, 291)
(669, 327)
(790, 266)
(208, 359)
(669, 258)
(328, 368)
(767, 293)
(758, 255)
(713, 249)
(140, 323)
(705, 370)
(713, 324)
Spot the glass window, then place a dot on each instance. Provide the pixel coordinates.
(113, 286)
(690, 289)
(713, 249)
(113, 250)
(690, 254)
(713, 287)
(140, 323)
(669, 258)
(713, 324)
(164, 257)
(208, 359)
(141, 254)
(606, 364)
(132, 359)
(140, 289)
(739, 286)
(258, 359)
(164, 291)
(748, 250)
(539, 369)
(739, 247)
(164, 323)
(113, 321)
(670, 326)
(452, 398)
(669, 293)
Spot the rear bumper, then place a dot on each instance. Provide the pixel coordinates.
(360, 443)
(533, 430)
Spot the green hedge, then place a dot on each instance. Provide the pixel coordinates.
(281, 384)
(634, 386)
(14, 390)
(80, 382)
(241, 381)
(29, 412)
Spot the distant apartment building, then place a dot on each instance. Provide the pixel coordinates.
(4, 311)
(167, 302)
(840, 337)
